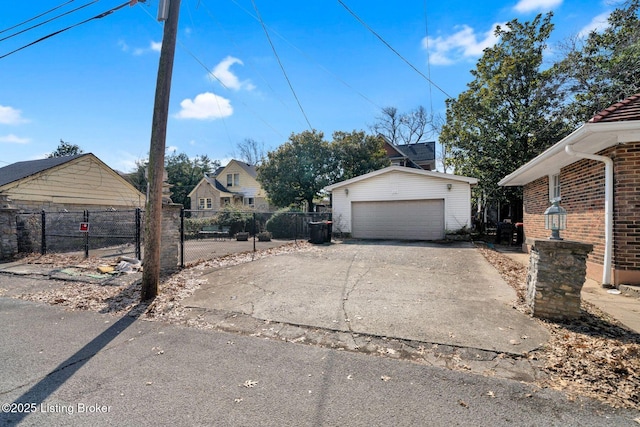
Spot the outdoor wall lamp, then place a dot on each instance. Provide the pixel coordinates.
(449, 186)
(555, 219)
(346, 191)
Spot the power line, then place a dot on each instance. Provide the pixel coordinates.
(35, 17)
(426, 32)
(392, 49)
(99, 16)
(255, 7)
(48, 20)
(311, 59)
(210, 73)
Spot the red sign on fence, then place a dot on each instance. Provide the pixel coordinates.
(84, 227)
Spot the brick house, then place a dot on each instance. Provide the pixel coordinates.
(595, 171)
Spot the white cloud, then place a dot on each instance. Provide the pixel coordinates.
(465, 43)
(525, 6)
(223, 73)
(13, 139)
(11, 116)
(598, 23)
(153, 47)
(205, 106)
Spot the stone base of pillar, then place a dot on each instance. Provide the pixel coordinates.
(557, 271)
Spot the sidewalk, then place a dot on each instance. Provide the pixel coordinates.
(623, 307)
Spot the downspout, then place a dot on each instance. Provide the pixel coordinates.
(608, 208)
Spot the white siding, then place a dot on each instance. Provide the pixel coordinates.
(397, 185)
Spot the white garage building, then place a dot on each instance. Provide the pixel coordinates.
(402, 203)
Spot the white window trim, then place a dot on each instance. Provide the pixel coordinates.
(551, 193)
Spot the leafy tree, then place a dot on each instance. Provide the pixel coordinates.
(65, 149)
(604, 68)
(138, 178)
(357, 153)
(505, 117)
(183, 174)
(297, 170)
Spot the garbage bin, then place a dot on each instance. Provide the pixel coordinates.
(317, 231)
(329, 225)
(519, 233)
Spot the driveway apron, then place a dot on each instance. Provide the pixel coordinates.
(432, 293)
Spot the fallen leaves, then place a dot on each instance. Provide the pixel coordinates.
(593, 356)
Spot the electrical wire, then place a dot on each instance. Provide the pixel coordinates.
(35, 17)
(426, 33)
(210, 73)
(49, 20)
(323, 68)
(280, 63)
(392, 49)
(99, 16)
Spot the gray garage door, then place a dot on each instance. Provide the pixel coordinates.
(404, 219)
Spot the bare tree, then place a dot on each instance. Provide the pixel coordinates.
(406, 128)
(251, 151)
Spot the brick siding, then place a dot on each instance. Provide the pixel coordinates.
(582, 191)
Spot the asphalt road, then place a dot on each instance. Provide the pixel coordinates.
(83, 368)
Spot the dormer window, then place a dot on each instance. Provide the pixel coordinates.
(233, 179)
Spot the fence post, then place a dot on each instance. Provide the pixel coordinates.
(138, 225)
(253, 228)
(43, 237)
(182, 237)
(86, 234)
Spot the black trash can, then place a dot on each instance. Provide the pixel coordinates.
(329, 225)
(317, 232)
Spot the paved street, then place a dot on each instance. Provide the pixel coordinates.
(121, 371)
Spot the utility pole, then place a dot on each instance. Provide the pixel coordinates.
(153, 219)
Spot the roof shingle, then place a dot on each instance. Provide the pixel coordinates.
(628, 109)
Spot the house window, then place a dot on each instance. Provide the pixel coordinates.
(249, 201)
(554, 187)
(205, 203)
(233, 179)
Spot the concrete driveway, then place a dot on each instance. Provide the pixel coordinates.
(432, 293)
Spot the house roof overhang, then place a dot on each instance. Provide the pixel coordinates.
(589, 138)
(432, 174)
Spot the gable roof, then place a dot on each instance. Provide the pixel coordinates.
(403, 169)
(419, 152)
(20, 170)
(617, 124)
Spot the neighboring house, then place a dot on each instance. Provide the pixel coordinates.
(420, 155)
(67, 183)
(402, 203)
(234, 184)
(602, 202)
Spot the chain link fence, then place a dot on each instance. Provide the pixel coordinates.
(96, 233)
(208, 234)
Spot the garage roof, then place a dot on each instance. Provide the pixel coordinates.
(403, 169)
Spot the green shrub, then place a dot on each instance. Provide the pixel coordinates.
(283, 224)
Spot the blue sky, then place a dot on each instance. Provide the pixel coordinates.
(94, 84)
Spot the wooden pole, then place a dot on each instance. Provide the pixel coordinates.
(153, 219)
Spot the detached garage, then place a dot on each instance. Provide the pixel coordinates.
(402, 203)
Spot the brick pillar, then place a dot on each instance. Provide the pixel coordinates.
(557, 271)
(170, 240)
(8, 229)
